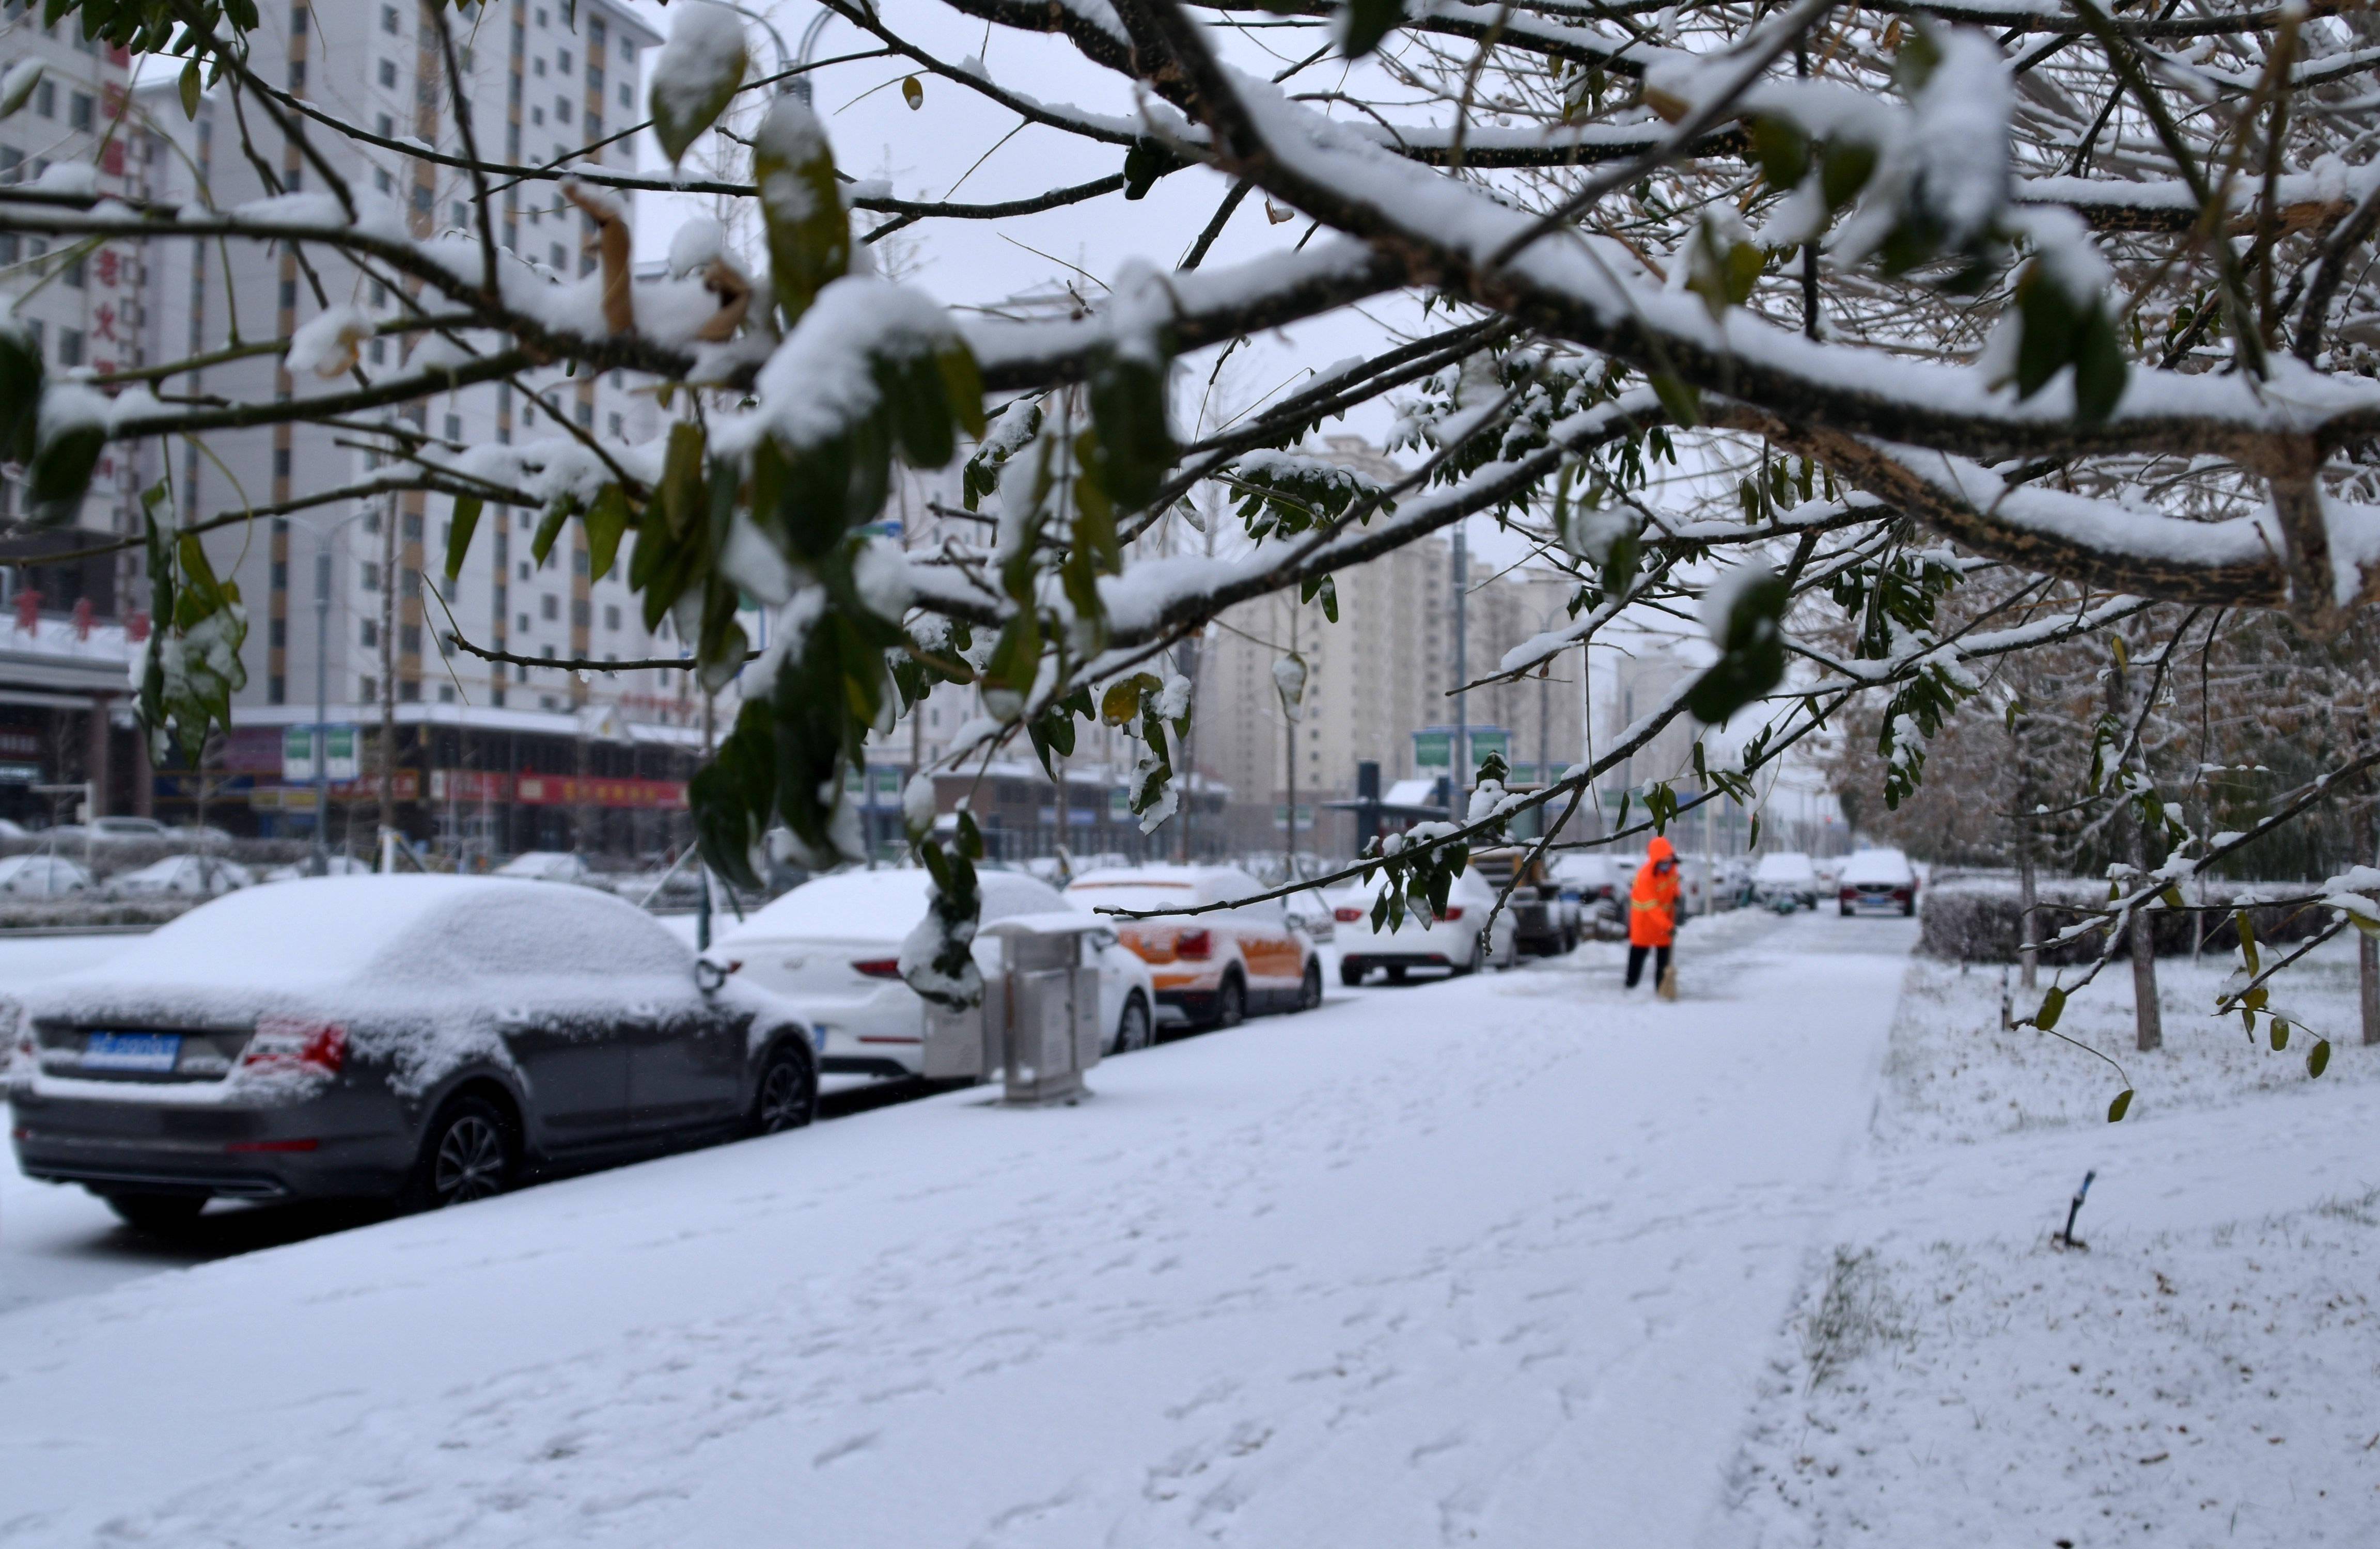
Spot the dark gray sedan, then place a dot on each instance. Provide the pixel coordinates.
(424, 1039)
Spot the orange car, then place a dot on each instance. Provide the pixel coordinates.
(1208, 970)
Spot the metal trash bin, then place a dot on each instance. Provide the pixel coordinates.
(1038, 1028)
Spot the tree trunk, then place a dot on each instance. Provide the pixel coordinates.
(2367, 946)
(2028, 959)
(2148, 1024)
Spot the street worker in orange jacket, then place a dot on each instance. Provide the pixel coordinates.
(1653, 914)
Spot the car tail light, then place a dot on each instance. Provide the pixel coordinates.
(1900, 895)
(293, 1043)
(1194, 943)
(1452, 911)
(879, 967)
(1849, 895)
(1346, 916)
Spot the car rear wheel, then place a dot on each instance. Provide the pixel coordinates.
(1309, 990)
(1476, 960)
(157, 1212)
(1396, 973)
(786, 1096)
(1350, 973)
(1132, 1028)
(1232, 1001)
(467, 1154)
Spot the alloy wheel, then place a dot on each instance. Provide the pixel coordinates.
(470, 1161)
(785, 1100)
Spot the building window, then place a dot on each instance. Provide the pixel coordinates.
(387, 127)
(548, 606)
(370, 633)
(627, 100)
(366, 689)
(408, 584)
(453, 427)
(388, 19)
(586, 411)
(579, 612)
(382, 181)
(408, 690)
(280, 462)
(445, 694)
(562, 60)
(281, 575)
(561, 258)
(522, 628)
(611, 615)
(537, 66)
(561, 110)
(45, 99)
(408, 639)
(77, 275)
(379, 348)
(388, 74)
(69, 346)
(370, 577)
(413, 527)
(578, 561)
(82, 111)
(524, 570)
(276, 690)
(277, 633)
(288, 296)
(537, 116)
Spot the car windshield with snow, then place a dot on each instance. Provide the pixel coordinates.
(430, 1039)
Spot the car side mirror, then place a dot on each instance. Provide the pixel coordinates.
(708, 975)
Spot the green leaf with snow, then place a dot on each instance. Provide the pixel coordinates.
(70, 434)
(808, 230)
(2318, 1058)
(698, 75)
(2121, 1106)
(1132, 440)
(1745, 613)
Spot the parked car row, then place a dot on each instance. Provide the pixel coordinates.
(43, 876)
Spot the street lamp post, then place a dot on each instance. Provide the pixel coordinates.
(322, 862)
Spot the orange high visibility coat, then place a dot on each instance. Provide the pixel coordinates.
(1653, 902)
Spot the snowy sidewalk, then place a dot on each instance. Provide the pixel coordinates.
(1497, 1259)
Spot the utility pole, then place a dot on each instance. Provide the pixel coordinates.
(702, 867)
(321, 861)
(1457, 807)
(1289, 738)
(388, 685)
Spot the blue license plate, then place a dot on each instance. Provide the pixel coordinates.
(818, 1037)
(146, 1053)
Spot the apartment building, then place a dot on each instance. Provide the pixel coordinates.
(1384, 673)
(347, 599)
(69, 619)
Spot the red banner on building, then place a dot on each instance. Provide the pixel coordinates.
(534, 790)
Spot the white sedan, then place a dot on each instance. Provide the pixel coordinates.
(1452, 941)
(832, 946)
(41, 876)
(181, 876)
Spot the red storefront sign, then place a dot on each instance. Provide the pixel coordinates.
(532, 790)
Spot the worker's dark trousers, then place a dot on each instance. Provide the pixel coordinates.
(1636, 963)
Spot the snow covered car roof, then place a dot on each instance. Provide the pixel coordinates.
(1784, 865)
(1160, 887)
(1879, 866)
(320, 932)
(883, 906)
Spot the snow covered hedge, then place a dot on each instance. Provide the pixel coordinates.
(1978, 919)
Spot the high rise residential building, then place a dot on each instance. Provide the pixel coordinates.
(347, 598)
(70, 617)
(1382, 673)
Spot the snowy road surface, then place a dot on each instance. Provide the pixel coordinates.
(1493, 1259)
